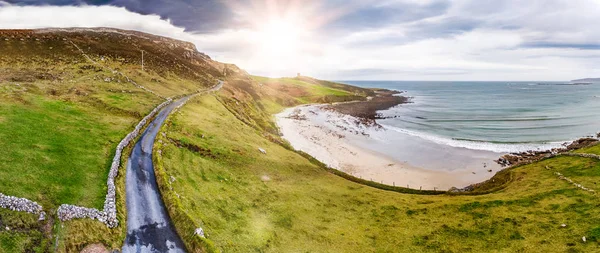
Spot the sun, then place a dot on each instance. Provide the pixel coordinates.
(280, 38)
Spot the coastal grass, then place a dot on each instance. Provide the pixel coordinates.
(590, 150)
(247, 201)
(308, 92)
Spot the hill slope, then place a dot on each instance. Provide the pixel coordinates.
(68, 96)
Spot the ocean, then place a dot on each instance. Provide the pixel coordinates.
(499, 117)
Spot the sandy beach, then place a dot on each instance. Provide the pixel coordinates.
(348, 144)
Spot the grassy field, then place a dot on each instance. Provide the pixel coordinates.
(62, 116)
(280, 202)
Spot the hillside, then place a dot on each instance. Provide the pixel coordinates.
(68, 96)
(215, 177)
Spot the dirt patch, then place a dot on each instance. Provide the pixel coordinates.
(194, 148)
(95, 248)
(26, 76)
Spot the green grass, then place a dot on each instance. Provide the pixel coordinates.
(60, 123)
(57, 152)
(25, 233)
(590, 150)
(302, 207)
(309, 92)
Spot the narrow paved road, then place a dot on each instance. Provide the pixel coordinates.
(149, 227)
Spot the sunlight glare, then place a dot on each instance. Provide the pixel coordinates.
(280, 39)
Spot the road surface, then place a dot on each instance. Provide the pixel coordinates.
(149, 227)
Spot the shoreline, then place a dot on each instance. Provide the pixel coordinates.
(347, 137)
(337, 139)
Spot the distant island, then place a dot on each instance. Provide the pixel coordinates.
(587, 80)
(571, 83)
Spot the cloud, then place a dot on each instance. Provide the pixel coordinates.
(559, 45)
(199, 16)
(376, 15)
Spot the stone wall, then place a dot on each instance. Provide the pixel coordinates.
(593, 156)
(21, 205)
(108, 215)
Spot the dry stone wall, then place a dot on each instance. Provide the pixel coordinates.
(108, 216)
(21, 205)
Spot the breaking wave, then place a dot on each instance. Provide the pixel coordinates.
(477, 145)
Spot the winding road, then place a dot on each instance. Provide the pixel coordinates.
(149, 227)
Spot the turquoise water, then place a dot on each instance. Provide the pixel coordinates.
(494, 116)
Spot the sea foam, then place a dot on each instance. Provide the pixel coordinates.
(476, 145)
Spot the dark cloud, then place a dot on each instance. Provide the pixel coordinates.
(373, 16)
(421, 30)
(580, 46)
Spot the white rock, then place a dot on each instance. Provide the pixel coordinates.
(199, 232)
(262, 151)
(583, 238)
(7, 229)
(563, 225)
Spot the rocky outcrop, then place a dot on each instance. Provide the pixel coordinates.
(515, 159)
(21, 205)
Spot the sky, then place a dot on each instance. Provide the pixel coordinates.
(486, 40)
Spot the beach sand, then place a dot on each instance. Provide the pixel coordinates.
(345, 143)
